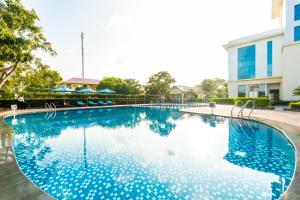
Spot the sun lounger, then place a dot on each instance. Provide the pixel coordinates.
(80, 103)
(102, 103)
(92, 103)
(110, 102)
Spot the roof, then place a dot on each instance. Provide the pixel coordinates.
(82, 81)
(254, 38)
(186, 89)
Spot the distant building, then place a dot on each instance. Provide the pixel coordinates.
(184, 93)
(268, 64)
(74, 83)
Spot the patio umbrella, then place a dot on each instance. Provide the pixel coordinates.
(62, 89)
(107, 91)
(86, 90)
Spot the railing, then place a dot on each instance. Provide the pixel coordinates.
(235, 105)
(240, 114)
(172, 105)
(51, 111)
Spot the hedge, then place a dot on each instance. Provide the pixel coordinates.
(259, 102)
(295, 105)
(227, 101)
(61, 102)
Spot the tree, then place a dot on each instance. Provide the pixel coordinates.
(114, 83)
(134, 86)
(41, 77)
(20, 37)
(37, 77)
(214, 87)
(16, 82)
(159, 84)
(296, 91)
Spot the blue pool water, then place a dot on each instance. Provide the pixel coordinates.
(149, 153)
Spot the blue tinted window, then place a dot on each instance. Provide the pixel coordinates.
(246, 62)
(297, 12)
(241, 91)
(297, 33)
(269, 58)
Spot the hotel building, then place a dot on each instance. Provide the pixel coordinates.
(268, 64)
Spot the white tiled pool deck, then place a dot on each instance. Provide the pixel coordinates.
(286, 117)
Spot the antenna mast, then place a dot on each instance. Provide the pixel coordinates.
(82, 54)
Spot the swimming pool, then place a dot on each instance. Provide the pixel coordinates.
(151, 153)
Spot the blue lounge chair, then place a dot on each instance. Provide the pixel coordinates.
(80, 103)
(109, 102)
(92, 103)
(102, 103)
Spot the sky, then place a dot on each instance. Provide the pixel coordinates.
(137, 38)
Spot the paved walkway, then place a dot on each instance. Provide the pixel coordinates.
(286, 117)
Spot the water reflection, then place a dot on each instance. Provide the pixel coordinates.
(200, 152)
(263, 149)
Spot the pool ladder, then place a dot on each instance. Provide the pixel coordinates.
(241, 112)
(51, 111)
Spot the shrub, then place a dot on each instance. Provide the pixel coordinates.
(60, 102)
(6, 103)
(295, 105)
(260, 102)
(227, 101)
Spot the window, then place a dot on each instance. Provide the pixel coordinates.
(241, 91)
(246, 62)
(269, 58)
(297, 12)
(297, 33)
(262, 90)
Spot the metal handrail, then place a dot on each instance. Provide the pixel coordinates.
(51, 111)
(47, 106)
(235, 105)
(53, 106)
(246, 104)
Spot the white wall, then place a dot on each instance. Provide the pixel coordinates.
(261, 58)
(291, 74)
(289, 20)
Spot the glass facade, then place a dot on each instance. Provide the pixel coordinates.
(246, 62)
(297, 12)
(297, 33)
(262, 90)
(241, 91)
(269, 59)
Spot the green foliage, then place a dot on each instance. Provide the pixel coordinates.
(120, 86)
(114, 83)
(16, 82)
(226, 101)
(31, 78)
(214, 88)
(296, 91)
(60, 101)
(20, 37)
(133, 86)
(260, 102)
(160, 84)
(295, 105)
(41, 77)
